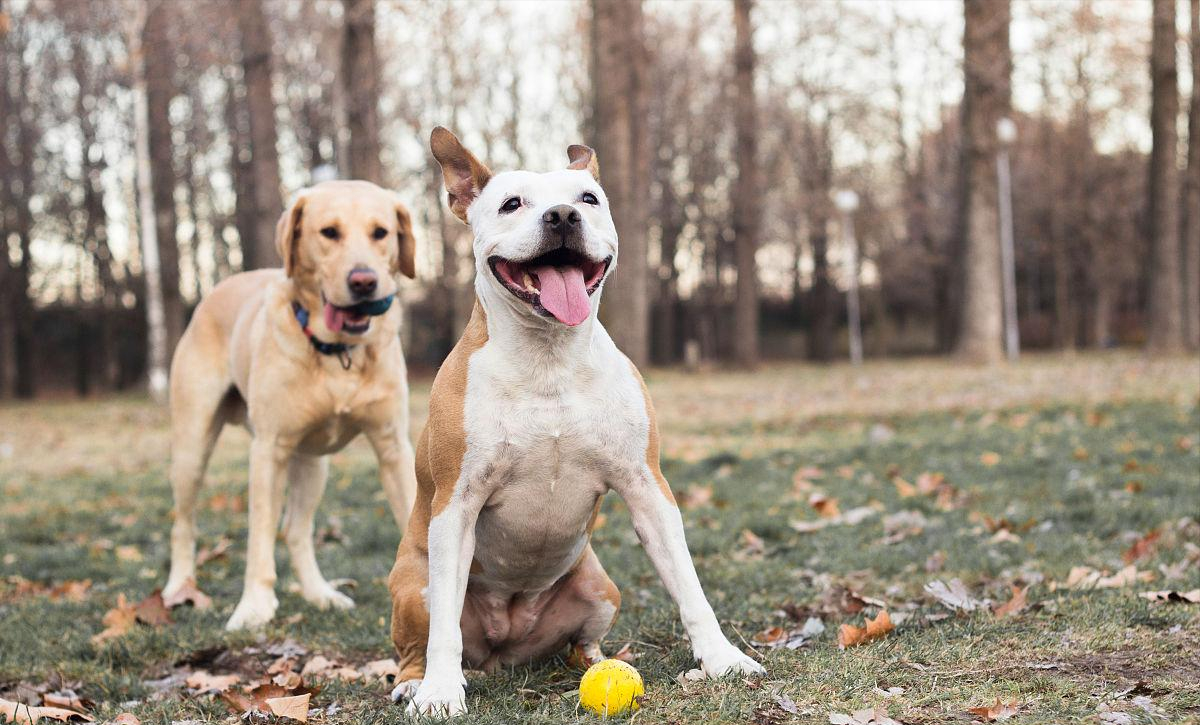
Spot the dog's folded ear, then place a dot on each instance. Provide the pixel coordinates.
(583, 158)
(287, 233)
(464, 175)
(406, 258)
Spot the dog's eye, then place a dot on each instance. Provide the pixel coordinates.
(589, 198)
(511, 204)
(379, 233)
(329, 232)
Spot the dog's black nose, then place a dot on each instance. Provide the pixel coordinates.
(362, 282)
(561, 218)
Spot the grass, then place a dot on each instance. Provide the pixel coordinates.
(1095, 451)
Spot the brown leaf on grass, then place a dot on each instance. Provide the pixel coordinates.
(904, 488)
(1134, 487)
(625, 654)
(152, 610)
(1142, 548)
(1170, 595)
(826, 507)
(753, 545)
(18, 712)
(126, 718)
(322, 667)
(218, 550)
(989, 458)
(851, 636)
(67, 699)
(117, 621)
(231, 503)
(13, 588)
(1085, 577)
(996, 711)
(929, 483)
(128, 552)
(1016, 604)
(188, 594)
(204, 682)
(954, 595)
(1184, 443)
(869, 716)
(380, 669)
(293, 706)
(243, 701)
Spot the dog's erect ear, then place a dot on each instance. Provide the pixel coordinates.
(287, 233)
(406, 258)
(583, 158)
(465, 175)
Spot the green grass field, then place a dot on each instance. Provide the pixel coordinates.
(1051, 465)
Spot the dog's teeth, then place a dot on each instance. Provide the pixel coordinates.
(529, 287)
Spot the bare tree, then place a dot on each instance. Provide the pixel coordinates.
(360, 85)
(160, 89)
(747, 194)
(259, 251)
(1191, 237)
(618, 71)
(1165, 323)
(8, 331)
(987, 73)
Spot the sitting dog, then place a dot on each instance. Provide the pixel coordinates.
(534, 416)
(307, 357)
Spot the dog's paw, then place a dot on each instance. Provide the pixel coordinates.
(405, 690)
(438, 698)
(254, 610)
(728, 660)
(325, 596)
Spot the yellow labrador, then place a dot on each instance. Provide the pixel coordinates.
(307, 357)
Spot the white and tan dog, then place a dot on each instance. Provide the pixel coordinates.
(307, 357)
(534, 416)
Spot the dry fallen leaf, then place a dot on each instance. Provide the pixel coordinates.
(625, 654)
(294, 706)
(17, 712)
(1017, 604)
(851, 636)
(202, 681)
(257, 700)
(1085, 577)
(997, 711)
(752, 545)
(1141, 548)
(903, 488)
(953, 596)
(152, 610)
(126, 718)
(989, 458)
(1169, 595)
(117, 621)
(188, 594)
(380, 669)
(826, 507)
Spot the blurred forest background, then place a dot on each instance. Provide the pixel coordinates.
(725, 130)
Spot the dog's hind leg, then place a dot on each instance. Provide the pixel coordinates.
(198, 414)
(306, 484)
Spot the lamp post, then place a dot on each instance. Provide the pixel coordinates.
(846, 202)
(1006, 134)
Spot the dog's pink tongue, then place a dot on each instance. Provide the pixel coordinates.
(334, 318)
(563, 294)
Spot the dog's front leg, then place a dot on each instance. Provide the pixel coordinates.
(659, 527)
(268, 476)
(451, 548)
(397, 467)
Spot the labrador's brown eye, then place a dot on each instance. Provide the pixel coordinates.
(379, 233)
(329, 232)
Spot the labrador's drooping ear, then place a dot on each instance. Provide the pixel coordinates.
(464, 175)
(287, 234)
(583, 158)
(406, 258)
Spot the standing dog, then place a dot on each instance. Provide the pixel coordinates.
(306, 357)
(534, 416)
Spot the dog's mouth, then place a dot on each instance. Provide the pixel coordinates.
(556, 284)
(353, 319)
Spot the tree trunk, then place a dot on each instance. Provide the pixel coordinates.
(160, 89)
(618, 72)
(28, 138)
(360, 83)
(259, 250)
(239, 163)
(1191, 238)
(151, 266)
(1165, 309)
(818, 181)
(747, 194)
(987, 73)
(8, 332)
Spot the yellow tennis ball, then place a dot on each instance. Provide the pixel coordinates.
(611, 687)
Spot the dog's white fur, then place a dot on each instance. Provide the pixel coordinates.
(554, 417)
